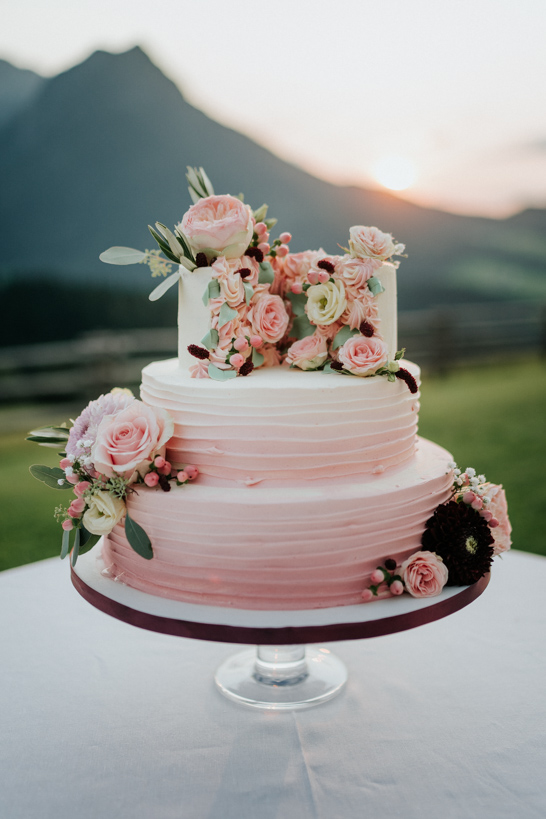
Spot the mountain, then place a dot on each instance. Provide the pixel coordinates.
(18, 87)
(101, 151)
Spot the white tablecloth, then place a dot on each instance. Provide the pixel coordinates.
(99, 719)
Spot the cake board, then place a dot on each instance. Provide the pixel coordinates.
(283, 674)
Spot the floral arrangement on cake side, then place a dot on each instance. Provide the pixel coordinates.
(458, 545)
(115, 447)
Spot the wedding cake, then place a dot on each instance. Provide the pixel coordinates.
(275, 464)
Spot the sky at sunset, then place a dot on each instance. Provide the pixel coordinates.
(445, 101)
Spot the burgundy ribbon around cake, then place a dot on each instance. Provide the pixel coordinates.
(286, 635)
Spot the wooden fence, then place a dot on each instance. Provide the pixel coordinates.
(437, 339)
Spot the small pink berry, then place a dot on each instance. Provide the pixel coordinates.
(159, 462)
(377, 576)
(367, 595)
(82, 487)
(73, 479)
(486, 514)
(191, 471)
(323, 276)
(397, 587)
(182, 476)
(469, 497)
(493, 523)
(260, 228)
(297, 288)
(166, 470)
(67, 525)
(65, 463)
(477, 504)
(151, 479)
(240, 344)
(256, 341)
(237, 360)
(265, 247)
(285, 238)
(312, 277)
(283, 250)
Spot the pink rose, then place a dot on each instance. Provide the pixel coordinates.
(129, 440)
(308, 353)
(499, 509)
(269, 317)
(220, 224)
(296, 266)
(363, 356)
(424, 573)
(356, 272)
(370, 242)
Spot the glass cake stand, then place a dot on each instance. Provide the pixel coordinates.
(284, 672)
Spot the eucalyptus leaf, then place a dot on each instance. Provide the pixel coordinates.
(328, 368)
(183, 239)
(163, 246)
(207, 184)
(220, 375)
(211, 340)
(174, 245)
(138, 539)
(65, 544)
(257, 358)
(298, 302)
(302, 327)
(267, 274)
(226, 315)
(375, 286)
(89, 543)
(187, 263)
(194, 196)
(76, 547)
(342, 336)
(122, 255)
(50, 476)
(165, 285)
(249, 292)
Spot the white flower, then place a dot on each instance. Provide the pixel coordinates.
(452, 465)
(326, 302)
(60, 481)
(104, 511)
(470, 471)
(69, 471)
(481, 478)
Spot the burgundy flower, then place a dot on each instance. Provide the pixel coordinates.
(198, 352)
(406, 376)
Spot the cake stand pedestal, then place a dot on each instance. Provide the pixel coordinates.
(282, 674)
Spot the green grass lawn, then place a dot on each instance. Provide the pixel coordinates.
(492, 418)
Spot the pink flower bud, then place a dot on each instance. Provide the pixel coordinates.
(237, 360)
(240, 344)
(67, 525)
(493, 523)
(477, 504)
(260, 228)
(264, 247)
(283, 250)
(297, 288)
(182, 476)
(397, 587)
(76, 507)
(65, 463)
(256, 341)
(312, 277)
(191, 471)
(73, 479)
(367, 595)
(285, 238)
(166, 469)
(469, 497)
(323, 276)
(159, 462)
(151, 479)
(82, 487)
(486, 514)
(377, 576)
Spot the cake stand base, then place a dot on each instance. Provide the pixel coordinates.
(281, 678)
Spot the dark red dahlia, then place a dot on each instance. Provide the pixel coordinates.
(198, 352)
(366, 329)
(406, 376)
(246, 368)
(324, 264)
(244, 272)
(462, 538)
(255, 253)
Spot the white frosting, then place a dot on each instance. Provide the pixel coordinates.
(193, 314)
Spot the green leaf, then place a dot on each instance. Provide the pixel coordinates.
(302, 327)
(328, 368)
(138, 539)
(298, 302)
(183, 239)
(260, 213)
(212, 291)
(226, 315)
(211, 340)
(76, 547)
(257, 358)
(165, 285)
(122, 255)
(400, 354)
(50, 476)
(249, 292)
(65, 544)
(375, 286)
(342, 336)
(267, 274)
(87, 540)
(220, 375)
(174, 244)
(163, 246)
(270, 223)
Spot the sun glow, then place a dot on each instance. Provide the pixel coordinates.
(395, 172)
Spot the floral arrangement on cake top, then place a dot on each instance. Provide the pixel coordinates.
(267, 306)
(459, 542)
(114, 447)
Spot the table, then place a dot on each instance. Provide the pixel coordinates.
(100, 719)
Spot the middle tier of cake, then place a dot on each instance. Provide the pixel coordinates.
(285, 425)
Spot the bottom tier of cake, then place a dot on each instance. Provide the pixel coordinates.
(279, 547)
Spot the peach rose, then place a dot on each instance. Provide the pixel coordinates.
(308, 353)
(218, 225)
(424, 574)
(231, 283)
(499, 509)
(370, 242)
(363, 356)
(355, 272)
(269, 317)
(128, 442)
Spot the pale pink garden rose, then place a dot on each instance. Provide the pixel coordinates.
(355, 272)
(424, 574)
(372, 243)
(269, 317)
(363, 356)
(308, 353)
(126, 443)
(499, 509)
(218, 226)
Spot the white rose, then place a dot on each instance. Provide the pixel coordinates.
(326, 302)
(103, 513)
(372, 243)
